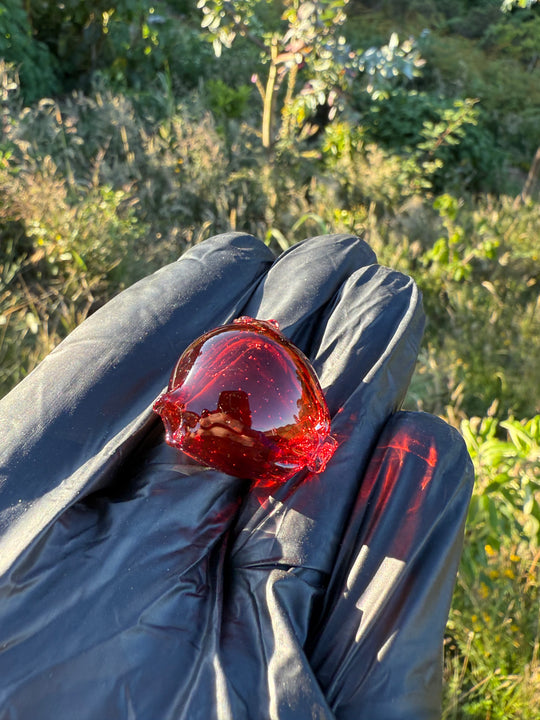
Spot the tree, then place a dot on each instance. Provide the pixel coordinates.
(307, 55)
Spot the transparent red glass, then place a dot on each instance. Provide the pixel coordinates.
(244, 400)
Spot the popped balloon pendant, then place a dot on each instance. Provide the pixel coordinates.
(244, 400)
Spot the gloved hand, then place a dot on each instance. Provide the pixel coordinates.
(136, 585)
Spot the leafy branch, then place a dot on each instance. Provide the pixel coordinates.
(308, 56)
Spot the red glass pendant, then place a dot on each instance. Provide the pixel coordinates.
(244, 400)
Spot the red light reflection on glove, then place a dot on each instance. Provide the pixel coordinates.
(409, 454)
(242, 399)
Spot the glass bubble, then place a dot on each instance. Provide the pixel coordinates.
(244, 400)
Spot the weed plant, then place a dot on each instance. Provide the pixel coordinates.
(492, 652)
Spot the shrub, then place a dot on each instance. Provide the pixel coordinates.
(445, 143)
(59, 260)
(171, 167)
(479, 275)
(508, 93)
(492, 665)
(38, 68)
(59, 47)
(517, 36)
(87, 37)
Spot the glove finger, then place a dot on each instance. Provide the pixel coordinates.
(303, 280)
(377, 650)
(87, 405)
(369, 338)
(302, 291)
(364, 341)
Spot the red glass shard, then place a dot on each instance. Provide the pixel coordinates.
(244, 400)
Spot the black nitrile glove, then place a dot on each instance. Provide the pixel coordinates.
(135, 585)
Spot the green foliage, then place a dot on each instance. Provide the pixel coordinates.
(58, 47)
(172, 169)
(492, 646)
(472, 50)
(308, 57)
(88, 37)
(505, 506)
(441, 141)
(384, 65)
(507, 91)
(59, 260)
(517, 36)
(35, 63)
(492, 667)
(119, 198)
(472, 19)
(480, 280)
(227, 103)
